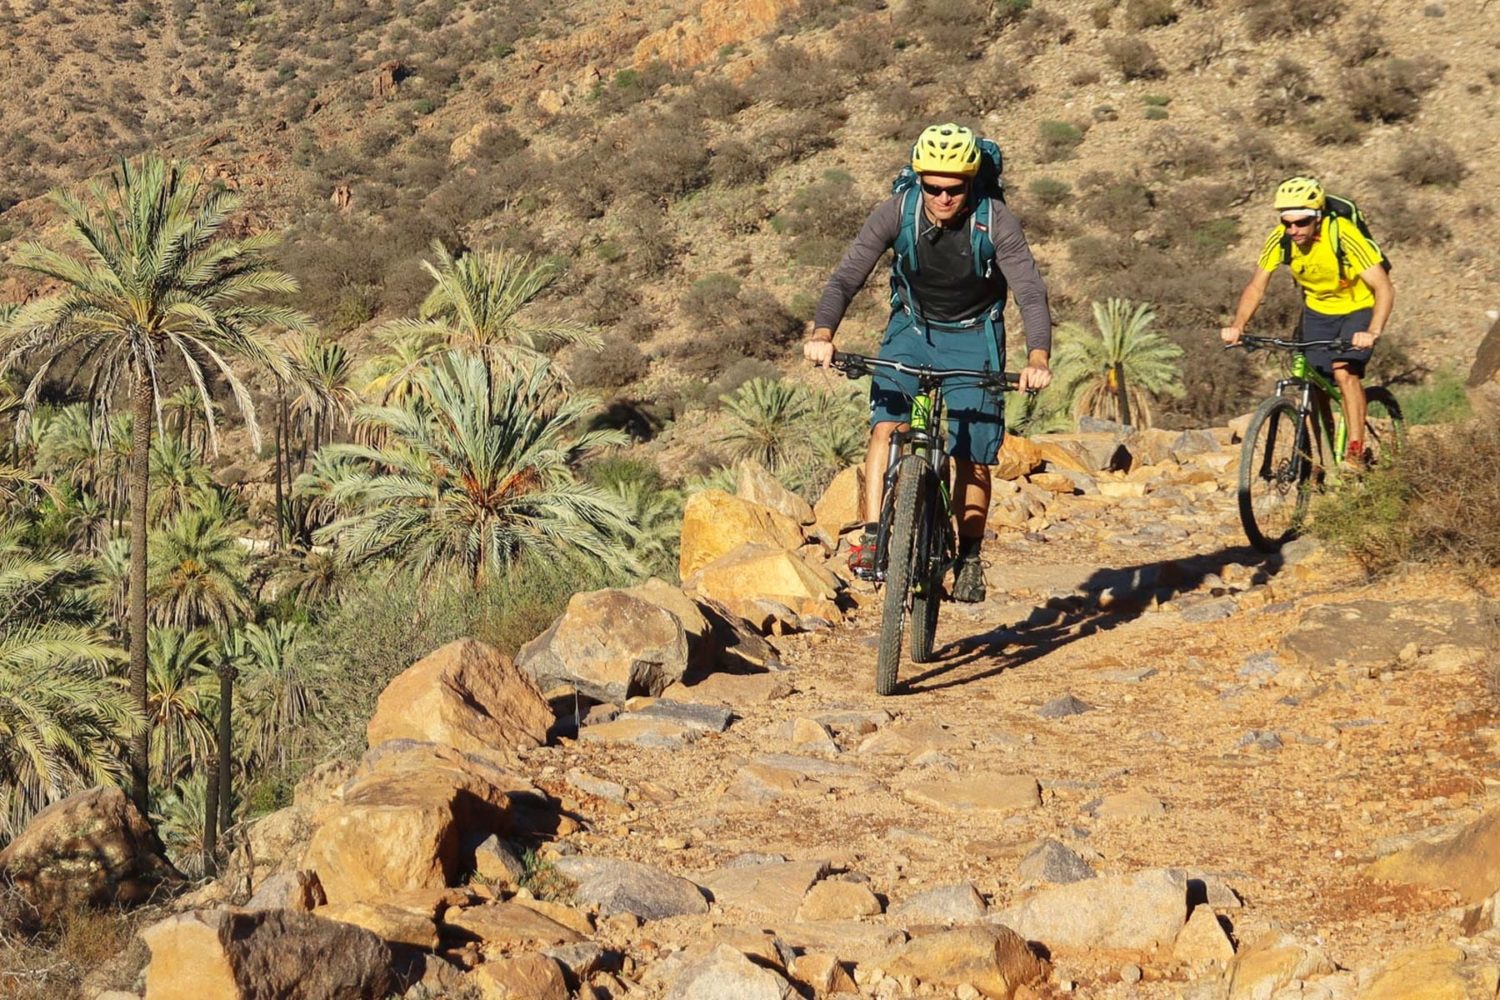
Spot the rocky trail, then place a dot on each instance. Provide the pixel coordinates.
(1174, 766)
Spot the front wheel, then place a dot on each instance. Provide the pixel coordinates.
(901, 550)
(933, 554)
(1275, 470)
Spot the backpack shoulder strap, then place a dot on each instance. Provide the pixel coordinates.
(981, 246)
(905, 246)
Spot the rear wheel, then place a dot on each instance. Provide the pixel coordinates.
(932, 558)
(900, 557)
(1273, 483)
(1385, 428)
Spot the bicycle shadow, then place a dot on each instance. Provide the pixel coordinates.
(1107, 599)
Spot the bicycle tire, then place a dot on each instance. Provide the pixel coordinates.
(900, 550)
(930, 564)
(1385, 426)
(1273, 477)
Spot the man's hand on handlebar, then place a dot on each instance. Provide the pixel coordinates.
(1363, 340)
(1230, 335)
(1037, 374)
(819, 348)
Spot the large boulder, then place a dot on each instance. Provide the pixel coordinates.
(412, 819)
(467, 695)
(1468, 862)
(1133, 912)
(713, 523)
(612, 645)
(615, 886)
(1018, 457)
(754, 483)
(242, 955)
(91, 849)
(842, 504)
(766, 586)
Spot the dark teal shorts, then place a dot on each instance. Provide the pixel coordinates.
(976, 416)
(1322, 326)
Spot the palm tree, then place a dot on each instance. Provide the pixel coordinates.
(1116, 370)
(177, 475)
(655, 518)
(276, 680)
(180, 701)
(63, 720)
(198, 572)
(477, 304)
(764, 414)
(390, 377)
(474, 473)
(156, 276)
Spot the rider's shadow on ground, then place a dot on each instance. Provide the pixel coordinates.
(1107, 599)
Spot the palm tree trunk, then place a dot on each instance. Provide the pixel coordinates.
(280, 501)
(140, 465)
(227, 674)
(211, 816)
(1120, 392)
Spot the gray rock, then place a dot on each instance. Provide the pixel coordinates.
(959, 903)
(290, 890)
(1194, 442)
(1064, 706)
(1216, 609)
(1054, 862)
(1098, 425)
(1262, 664)
(708, 718)
(582, 959)
(616, 886)
(611, 645)
(726, 974)
(1264, 739)
(609, 791)
(1370, 634)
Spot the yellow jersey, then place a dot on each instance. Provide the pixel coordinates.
(1316, 270)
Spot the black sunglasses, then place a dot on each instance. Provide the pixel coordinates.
(937, 190)
(1299, 223)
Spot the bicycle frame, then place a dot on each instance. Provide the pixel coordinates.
(1305, 378)
(926, 436)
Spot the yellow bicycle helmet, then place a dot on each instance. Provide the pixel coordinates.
(946, 149)
(1300, 194)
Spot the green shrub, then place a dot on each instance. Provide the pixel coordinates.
(1154, 114)
(1117, 204)
(1049, 191)
(1442, 399)
(1057, 140)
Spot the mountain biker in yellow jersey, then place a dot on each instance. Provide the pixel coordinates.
(1346, 290)
(946, 308)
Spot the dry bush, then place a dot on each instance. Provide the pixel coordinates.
(995, 83)
(1040, 30)
(608, 298)
(656, 161)
(800, 135)
(821, 218)
(737, 162)
(1134, 58)
(794, 78)
(1335, 128)
(1141, 14)
(864, 50)
(713, 99)
(1049, 192)
(1285, 93)
(955, 27)
(1259, 159)
(1220, 384)
(613, 366)
(732, 322)
(1430, 162)
(1279, 18)
(1363, 42)
(902, 109)
(1181, 153)
(1118, 204)
(1390, 90)
(1395, 217)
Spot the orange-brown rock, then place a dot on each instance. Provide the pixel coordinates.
(467, 695)
(993, 959)
(392, 924)
(611, 645)
(1468, 863)
(525, 977)
(90, 849)
(410, 820)
(388, 77)
(500, 927)
(1018, 457)
(762, 585)
(238, 955)
(755, 483)
(717, 23)
(715, 523)
(842, 504)
(824, 974)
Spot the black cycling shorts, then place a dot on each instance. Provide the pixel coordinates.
(1321, 326)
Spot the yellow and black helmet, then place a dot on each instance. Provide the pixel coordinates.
(1303, 194)
(946, 149)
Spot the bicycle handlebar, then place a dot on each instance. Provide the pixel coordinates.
(856, 365)
(1250, 343)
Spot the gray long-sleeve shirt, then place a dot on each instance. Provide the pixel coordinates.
(1013, 259)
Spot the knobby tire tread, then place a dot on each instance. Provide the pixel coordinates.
(1287, 428)
(931, 561)
(898, 569)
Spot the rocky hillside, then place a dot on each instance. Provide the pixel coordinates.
(732, 147)
(1175, 767)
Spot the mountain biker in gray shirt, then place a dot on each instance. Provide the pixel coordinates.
(946, 313)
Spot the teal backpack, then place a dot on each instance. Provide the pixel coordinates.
(989, 186)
